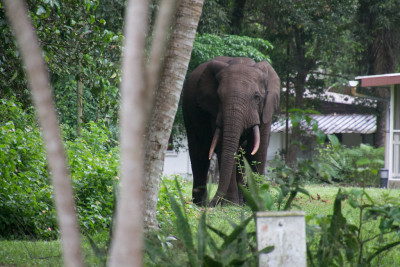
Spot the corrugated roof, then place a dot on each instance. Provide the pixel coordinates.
(336, 123)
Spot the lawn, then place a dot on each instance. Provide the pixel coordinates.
(319, 202)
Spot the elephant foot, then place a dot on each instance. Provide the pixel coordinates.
(200, 203)
(199, 197)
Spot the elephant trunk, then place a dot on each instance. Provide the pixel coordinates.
(231, 131)
(229, 148)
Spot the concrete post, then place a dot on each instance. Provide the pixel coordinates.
(285, 230)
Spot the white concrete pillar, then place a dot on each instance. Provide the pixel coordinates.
(286, 230)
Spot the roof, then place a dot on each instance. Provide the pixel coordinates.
(379, 80)
(336, 123)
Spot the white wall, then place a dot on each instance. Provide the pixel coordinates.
(276, 143)
(178, 162)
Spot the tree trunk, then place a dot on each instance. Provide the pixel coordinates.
(237, 16)
(39, 82)
(385, 46)
(166, 102)
(126, 246)
(303, 66)
(293, 147)
(79, 114)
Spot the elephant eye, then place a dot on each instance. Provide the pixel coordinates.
(257, 97)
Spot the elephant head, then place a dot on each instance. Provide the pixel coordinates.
(240, 96)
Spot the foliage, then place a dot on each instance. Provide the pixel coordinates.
(26, 207)
(342, 241)
(209, 46)
(78, 45)
(214, 248)
(94, 171)
(26, 200)
(282, 179)
(168, 188)
(305, 124)
(214, 18)
(358, 165)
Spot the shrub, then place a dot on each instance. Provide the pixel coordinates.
(94, 170)
(26, 202)
(356, 166)
(26, 207)
(341, 242)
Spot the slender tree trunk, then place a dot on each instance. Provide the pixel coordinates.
(126, 247)
(166, 101)
(79, 94)
(386, 46)
(303, 66)
(293, 148)
(237, 16)
(39, 83)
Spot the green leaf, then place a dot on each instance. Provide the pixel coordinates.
(236, 232)
(202, 237)
(40, 10)
(218, 232)
(183, 227)
(334, 140)
(363, 161)
(382, 249)
(249, 198)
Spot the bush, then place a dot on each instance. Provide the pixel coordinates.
(94, 170)
(26, 201)
(336, 240)
(26, 207)
(354, 166)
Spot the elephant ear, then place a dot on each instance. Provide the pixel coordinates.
(207, 96)
(272, 85)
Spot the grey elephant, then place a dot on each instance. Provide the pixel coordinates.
(228, 103)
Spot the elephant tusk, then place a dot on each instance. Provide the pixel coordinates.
(214, 142)
(256, 132)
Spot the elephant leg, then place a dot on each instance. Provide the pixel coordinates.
(198, 152)
(200, 170)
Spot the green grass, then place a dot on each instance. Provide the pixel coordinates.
(30, 253)
(320, 201)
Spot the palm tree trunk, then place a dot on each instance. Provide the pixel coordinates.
(166, 102)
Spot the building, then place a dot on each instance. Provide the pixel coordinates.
(392, 144)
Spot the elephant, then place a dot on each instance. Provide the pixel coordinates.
(228, 104)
